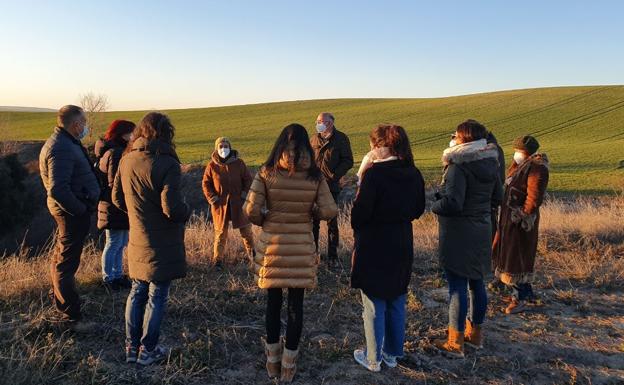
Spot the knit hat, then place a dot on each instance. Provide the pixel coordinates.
(526, 143)
(220, 140)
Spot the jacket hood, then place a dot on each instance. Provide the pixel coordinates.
(155, 146)
(541, 159)
(469, 152)
(478, 157)
(233, 157)
(538, 159)
(395, 169)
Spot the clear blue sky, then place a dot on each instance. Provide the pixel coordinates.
(176, 54)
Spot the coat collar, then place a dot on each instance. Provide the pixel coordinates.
(231, 159)
(63, 131)
(469, 152)
(535, 159)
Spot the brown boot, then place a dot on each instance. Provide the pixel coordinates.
(289, 366)
(516, 307)
(453, 346)
(473, 335)
(274, 358)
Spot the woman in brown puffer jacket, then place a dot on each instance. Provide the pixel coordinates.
(286, 193)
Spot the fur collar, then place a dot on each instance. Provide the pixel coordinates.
(469, 152)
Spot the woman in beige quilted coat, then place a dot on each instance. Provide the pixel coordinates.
(287, 192)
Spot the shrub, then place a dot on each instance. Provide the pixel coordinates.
(15, 200)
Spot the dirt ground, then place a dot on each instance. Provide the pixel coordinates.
(215, 323)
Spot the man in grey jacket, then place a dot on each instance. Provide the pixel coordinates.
(73, 192)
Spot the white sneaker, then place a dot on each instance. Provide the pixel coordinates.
(360, 358)
(389, 360)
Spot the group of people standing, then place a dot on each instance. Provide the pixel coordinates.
(135, 187)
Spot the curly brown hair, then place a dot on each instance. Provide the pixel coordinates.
(156, 125)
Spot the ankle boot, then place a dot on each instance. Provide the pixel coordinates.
(453, 346)
(289, 366)
(273, 354)
(473, 335)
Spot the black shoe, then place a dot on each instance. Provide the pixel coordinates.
(124, 282)
(496, 285)
(111, 285)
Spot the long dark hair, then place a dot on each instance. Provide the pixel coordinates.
(294, 136)
(156, 125)
(395, 138)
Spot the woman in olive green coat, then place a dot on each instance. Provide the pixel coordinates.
(147, 187)
(470, 188)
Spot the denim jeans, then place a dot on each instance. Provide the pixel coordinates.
(384, 326)
(116, 241)
(145, 309)
(458, 298)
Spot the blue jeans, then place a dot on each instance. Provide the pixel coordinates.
(384, 326)
(458, 298)
(145, 309)
(116, 241)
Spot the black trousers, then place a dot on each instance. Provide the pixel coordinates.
(332, 233)
(295, 317)
(72, 231)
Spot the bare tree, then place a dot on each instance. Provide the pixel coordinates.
(94, 106)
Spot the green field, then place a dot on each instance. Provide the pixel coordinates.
(580, 128)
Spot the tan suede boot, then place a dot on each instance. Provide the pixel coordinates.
(289, 366)
(453, 346)
(473, 335)
(274, 358)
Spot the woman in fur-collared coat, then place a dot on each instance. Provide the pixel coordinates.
(515, 244)
(470, 187)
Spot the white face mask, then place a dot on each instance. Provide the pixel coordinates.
(84, 133)
(452, 143)
(519, 157)
(320, 127)
(223, 152)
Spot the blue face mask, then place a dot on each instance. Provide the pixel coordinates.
(84, 133)
(320, 127)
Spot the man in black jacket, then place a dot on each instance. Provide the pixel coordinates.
(333, 155)
(73, 192)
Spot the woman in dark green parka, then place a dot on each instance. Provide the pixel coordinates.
(470, 188)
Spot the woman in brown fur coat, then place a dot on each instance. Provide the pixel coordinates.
(515, 244)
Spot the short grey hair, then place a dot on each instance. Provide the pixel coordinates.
(329, 115)
(68, 114)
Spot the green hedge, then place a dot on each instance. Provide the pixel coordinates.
(16, 206)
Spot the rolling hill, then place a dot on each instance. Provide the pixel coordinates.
(580, 128)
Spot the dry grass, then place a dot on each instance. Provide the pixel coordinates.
(215, 316)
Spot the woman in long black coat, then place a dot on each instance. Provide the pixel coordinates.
(390, 197)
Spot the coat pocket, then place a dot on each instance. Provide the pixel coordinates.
(516, 197)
